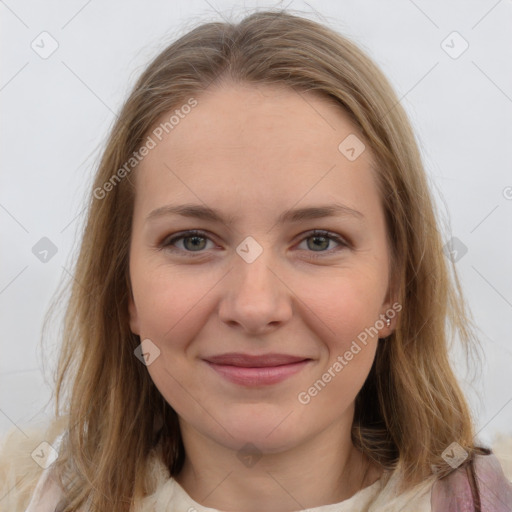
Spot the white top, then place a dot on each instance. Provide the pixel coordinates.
(170, 496)
(173, 497)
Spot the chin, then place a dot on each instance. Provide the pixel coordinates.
(268, 434)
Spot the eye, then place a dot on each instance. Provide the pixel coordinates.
(321, 240)
(193, 241)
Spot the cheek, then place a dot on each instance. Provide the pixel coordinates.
(344, 320)
(167, 302)
(352, 344)
(337, 386)
(346, 306)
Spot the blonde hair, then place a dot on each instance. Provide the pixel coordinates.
(410, 408)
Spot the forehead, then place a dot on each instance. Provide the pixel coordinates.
(259, 118)
(255, 143)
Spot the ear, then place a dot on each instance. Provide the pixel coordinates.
(134, 317)
(389, 311)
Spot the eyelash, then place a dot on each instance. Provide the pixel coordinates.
(167, 242)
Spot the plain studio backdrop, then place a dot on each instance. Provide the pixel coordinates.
(68, 66)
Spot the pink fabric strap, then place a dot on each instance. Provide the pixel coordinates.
(453, 492)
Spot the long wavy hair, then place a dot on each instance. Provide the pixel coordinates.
(410, 408)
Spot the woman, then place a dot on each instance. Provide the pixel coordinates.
(258, 319)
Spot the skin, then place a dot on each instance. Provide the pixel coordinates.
(253, 151)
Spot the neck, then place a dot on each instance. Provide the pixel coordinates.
(324, 470)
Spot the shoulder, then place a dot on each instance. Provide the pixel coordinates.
(454, 492)
(24, 456)
(391, 498)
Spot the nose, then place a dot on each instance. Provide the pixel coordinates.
(255, 297)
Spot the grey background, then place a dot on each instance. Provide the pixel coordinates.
(56, 113)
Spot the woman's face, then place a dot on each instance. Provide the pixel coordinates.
(258, 282)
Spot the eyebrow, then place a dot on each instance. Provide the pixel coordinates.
(289, 216)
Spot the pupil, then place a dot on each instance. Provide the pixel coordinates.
(195, 238)
(320, 238)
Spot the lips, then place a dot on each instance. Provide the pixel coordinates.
(250, 361)
(256, 371)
